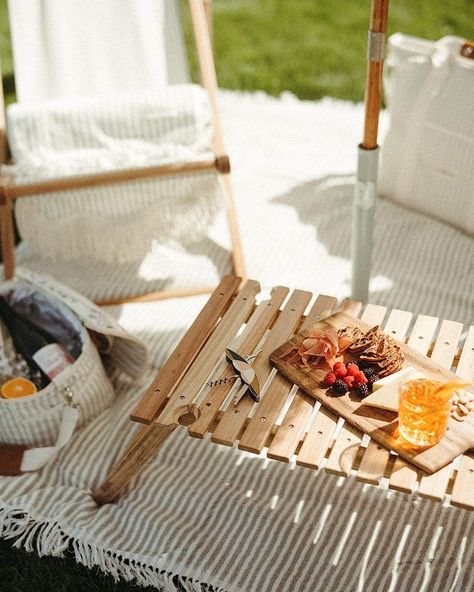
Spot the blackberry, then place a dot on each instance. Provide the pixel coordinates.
(368, 372)
(362, 390)
(340, 387)
(371, 379)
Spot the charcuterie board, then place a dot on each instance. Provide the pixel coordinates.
(381, 425)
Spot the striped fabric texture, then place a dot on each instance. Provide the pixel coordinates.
(201, 513)
(63, 138)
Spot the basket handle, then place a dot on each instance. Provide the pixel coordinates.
(16, 460)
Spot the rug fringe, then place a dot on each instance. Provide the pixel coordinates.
(46, 537)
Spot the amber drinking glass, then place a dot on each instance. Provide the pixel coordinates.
(424, 410)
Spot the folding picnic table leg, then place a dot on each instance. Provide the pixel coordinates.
(145, 444)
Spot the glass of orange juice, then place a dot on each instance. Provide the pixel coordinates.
(424, 410)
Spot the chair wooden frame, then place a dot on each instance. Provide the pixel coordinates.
(201, 15)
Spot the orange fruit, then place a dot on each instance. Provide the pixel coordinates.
(17, 387)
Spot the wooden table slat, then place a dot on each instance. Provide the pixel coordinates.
(317, 440)
(234, 417)
(463, 488)
(465, 367)
(250, 338)
(373, 464)
(344, 451)
(351, 307)
(403, 478)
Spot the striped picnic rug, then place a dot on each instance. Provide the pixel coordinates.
(201, 514)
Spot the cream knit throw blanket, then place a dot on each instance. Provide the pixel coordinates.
(64, 138)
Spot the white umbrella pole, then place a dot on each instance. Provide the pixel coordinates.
(366, 184)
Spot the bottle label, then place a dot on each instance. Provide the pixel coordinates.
(52, 359)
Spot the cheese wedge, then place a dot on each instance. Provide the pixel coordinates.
(403, 374)
(386, 396)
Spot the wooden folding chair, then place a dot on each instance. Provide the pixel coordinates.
(9, 191)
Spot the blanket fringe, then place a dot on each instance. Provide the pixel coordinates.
(46, 537)
(118, 227)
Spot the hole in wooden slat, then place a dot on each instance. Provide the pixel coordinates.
(263, 419)
(446, 343)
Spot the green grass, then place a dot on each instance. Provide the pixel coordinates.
(26, 572)
(314, 48)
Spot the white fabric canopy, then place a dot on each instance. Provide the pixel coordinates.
(64, 48)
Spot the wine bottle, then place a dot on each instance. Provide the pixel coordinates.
(38, 349)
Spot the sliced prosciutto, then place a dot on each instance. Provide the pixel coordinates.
(321, 347)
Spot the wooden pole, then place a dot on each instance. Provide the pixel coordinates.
(366, 185)
(373, 87)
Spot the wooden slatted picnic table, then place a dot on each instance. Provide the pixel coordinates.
(287, 423)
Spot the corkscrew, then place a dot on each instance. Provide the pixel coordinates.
(220, 381)
(244, 371)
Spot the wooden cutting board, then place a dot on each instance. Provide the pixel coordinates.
(379, 424)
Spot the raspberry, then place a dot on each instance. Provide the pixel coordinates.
(349, 380)
(341, 372)
(338, 365)
(362, 390)
(340, 387)
(330, 378)
(360, 378)
(352, 369)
